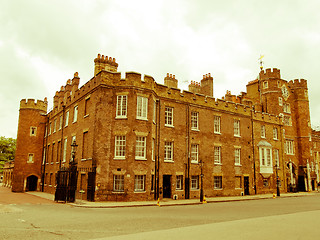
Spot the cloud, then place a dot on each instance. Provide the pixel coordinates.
(42, 43)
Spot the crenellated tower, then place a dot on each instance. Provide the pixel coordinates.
(28, 158)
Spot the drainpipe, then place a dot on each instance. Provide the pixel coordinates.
(187, 175)
(253, 155)
(45, 135)
(157, 157)
(62, 140)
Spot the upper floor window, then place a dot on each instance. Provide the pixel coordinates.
(194, 120)
(216, 124)
(121, 111)
(60, 123)
(265, 84)
(236, 128)
(286, 108)
(85, 145)
(87, 106)
(168, 116)
(237, 154)
(50, 128)
(75, 114)
(280, 101)
(55, 125)
(263, 131)
(289, 147)
(64, 155)
(142, 107)
(30, 158)
(275, 133)
(33, 131)
(168, 151)
(287, 120)
(217, 155)
(67, 119)
(141, 148)
(194, 153)
(120, 147)
(265, 157)
(154, 115)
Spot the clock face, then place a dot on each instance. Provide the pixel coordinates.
(285, 92)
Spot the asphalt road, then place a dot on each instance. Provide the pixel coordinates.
(280, 218)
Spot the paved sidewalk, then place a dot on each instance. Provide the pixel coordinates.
(170, 202)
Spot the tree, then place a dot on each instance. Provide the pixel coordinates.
(7, 150)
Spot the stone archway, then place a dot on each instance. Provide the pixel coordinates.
(32, 182)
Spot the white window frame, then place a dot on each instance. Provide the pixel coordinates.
(237, 156)
(140, 153)
(120, 147)
(50, 128)
(217, 154)
(289, 147)
(287, 120)
(217, 182)
(265, 154)
(168, 117)
(217, 124)
(286, 108)
(194, 153)
(168, 151)
(118, 183)
(60, 123)
(139, 183)
(179, 182)
(195, 121)
(236, 128)
(265, 84)
(275, 133)
(67, 119)
(195, 182)
(263, 131)
(65, 144)
(280, 101)
(75, 114)
(55, 126)
(30, 158)
(142, 108)
(121, 108)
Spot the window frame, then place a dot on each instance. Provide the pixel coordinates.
(236, 127)
(141, 145)
(237, 156)
(194, 121)
(168, 116)
(194, 152)
(139, 183)
(217, 182)
(217, 124)
(118, 183)
(179, 182)
(122, 106)
(168, 151)
(142, 108)
(217, 149)
(194, 182)
(119, 147)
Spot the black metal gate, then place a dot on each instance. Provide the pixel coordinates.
(66, 184)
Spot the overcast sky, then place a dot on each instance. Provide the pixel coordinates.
(42, 43)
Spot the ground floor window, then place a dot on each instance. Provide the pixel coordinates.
(217, 182)
(195, 182)
(118, 183)
(139, 183)
(179, 182)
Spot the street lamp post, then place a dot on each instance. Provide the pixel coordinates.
(73, 152)
(201, 188)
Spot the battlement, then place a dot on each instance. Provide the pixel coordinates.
(32, 104)
(268, 73)
(102, 62)
(298, 83)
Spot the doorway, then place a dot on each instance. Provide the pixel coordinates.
(246, 185)
(32, 182)
(166, 186)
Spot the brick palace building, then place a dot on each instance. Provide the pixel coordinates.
(141, 140)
